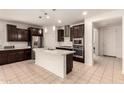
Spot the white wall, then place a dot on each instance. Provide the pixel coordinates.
(118, 38)
(101, 38)
(119, 42)
(96, 41)
(50, 38)
(123, 44)
(88, 42)
(3, 34)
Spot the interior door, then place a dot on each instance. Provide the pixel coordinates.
(109, 42)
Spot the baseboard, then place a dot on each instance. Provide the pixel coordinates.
(109, 56)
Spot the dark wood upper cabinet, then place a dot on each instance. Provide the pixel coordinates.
(12, 34)
(60, 35)
(81, 30)
(26, 35)
(16, 34)
(35, 31)
(71, 34)
(78, 31)
(22, 35)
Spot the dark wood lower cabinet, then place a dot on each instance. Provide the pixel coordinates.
(12, 56)
(78, 59)
(27, 54)
(20, 56)
(64, 48)
(69, 63)
(3, 58)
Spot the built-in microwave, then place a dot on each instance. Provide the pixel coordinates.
(77, 41)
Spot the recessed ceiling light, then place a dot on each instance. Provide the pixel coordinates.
(84, 13)
(45, 30)
(48, 17)
(59, 21)
(45, 13)
(54, 28)
(54, 9)
(40, 17)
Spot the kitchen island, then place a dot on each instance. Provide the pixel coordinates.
(59, 62)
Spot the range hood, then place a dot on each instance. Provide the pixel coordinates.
(67, 30)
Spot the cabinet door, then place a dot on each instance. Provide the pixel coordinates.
(80, 31)
(60, 35)
(75, 31)
(3, 58)
(71, 34)
(11, 32)
(27, 54)
(36, 32)
(12, 57)
(20, 55)
(26, 35)
(69, 63)
(22, 35)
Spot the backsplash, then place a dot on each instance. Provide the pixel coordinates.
(15, 44)
(66, 42)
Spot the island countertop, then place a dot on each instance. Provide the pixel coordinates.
(59, 62)
(54, 51)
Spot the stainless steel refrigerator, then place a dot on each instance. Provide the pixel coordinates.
(36, 43)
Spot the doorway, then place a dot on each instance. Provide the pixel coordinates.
(107, 39)
(109, 42)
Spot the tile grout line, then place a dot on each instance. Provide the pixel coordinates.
(103, 72)
(4, 75)
(113, 73)
(93, 73)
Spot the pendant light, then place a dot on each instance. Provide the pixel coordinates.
(40, 31)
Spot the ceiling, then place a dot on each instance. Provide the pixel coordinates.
(108, 22)
(31, 16)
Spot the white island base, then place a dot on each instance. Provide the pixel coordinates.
(54, 61)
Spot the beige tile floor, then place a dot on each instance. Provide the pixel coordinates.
(106, 70)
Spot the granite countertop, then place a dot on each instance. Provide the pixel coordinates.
(54, 51)
(2, 49)
(65, 47)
